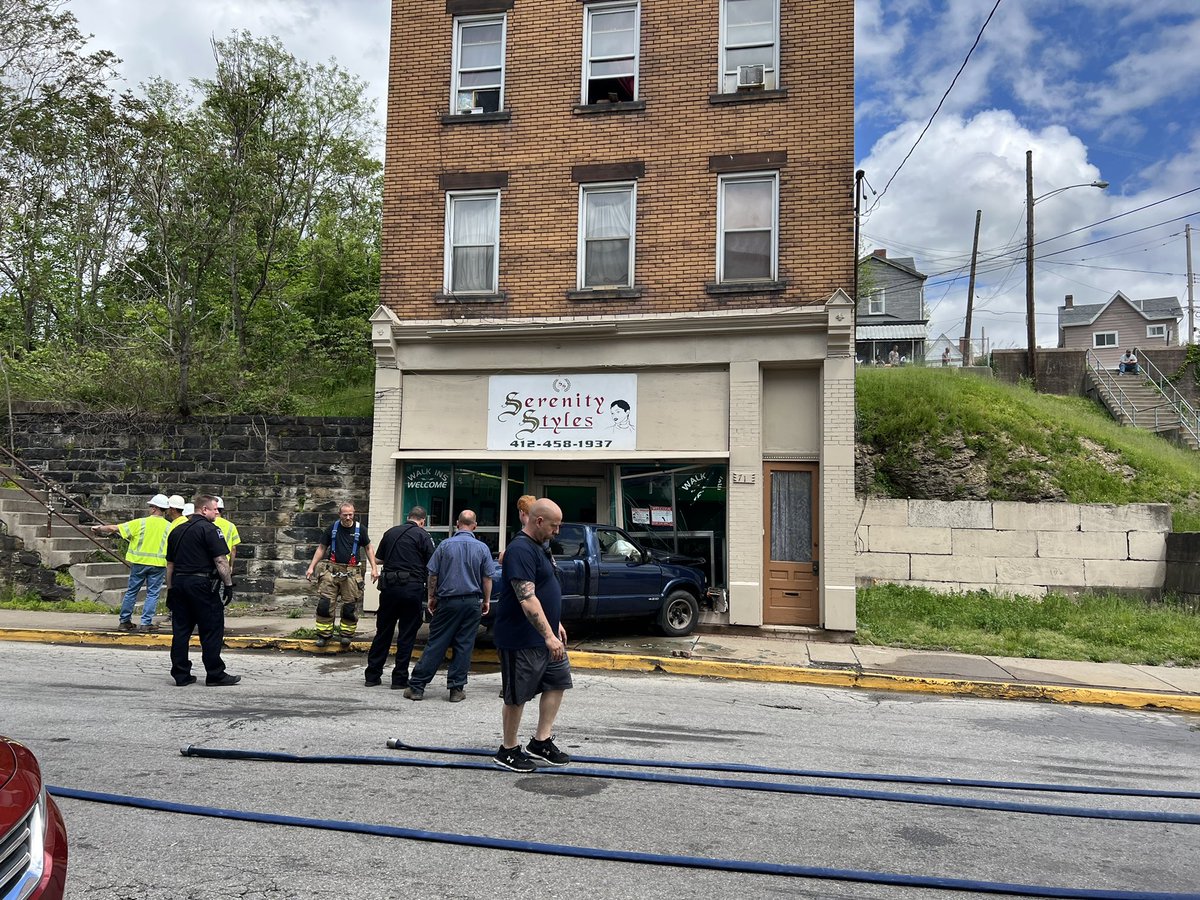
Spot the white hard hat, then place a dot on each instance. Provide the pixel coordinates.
(159, 500)
(220, 503)
(189, 509)
(175, 502)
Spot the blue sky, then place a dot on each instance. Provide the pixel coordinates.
(1098, 89)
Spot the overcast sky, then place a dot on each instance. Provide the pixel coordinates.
(1098, 89)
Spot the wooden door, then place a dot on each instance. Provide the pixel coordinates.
(790, 592)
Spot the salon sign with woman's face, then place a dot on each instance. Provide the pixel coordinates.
(577, 412)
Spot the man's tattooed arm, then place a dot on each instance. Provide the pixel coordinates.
(532, 607)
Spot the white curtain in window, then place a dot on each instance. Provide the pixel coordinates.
(473, 236)
(607, 227)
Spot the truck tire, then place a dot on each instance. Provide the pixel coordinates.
(679, 615)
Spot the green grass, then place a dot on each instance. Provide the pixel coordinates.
(356, 400)
(1033, 446)
(33, 602)
(304, 634)
(1097, 628)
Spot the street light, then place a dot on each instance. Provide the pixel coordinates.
(1030, 200)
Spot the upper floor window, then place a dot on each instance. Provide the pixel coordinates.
(478, 84)
(747, 226)
(749, 45)
(876, 302)
(610, 53)
(1156, 331)
(472, 242)
(606, 217)
(1104, 339)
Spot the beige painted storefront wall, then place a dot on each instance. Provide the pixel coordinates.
(676, 411)
(791, 412)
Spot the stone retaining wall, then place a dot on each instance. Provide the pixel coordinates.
(281, 477)
(1183, 563)
(1013, 548)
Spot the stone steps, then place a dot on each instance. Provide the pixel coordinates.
(25, 517)
(1152, 412)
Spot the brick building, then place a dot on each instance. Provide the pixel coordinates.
(617, 241)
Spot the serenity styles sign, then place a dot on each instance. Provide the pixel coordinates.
(580, 411)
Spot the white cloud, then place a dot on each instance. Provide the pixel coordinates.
(965, 164)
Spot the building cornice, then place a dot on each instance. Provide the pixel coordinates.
(801, 318)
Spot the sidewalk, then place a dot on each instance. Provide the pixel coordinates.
(780, 658)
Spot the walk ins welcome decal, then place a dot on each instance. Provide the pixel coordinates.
(562, 412)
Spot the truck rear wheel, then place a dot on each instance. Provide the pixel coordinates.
(679, 615)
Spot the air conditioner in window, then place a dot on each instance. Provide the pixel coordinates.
(750, 77)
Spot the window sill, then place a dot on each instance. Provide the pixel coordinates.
(748, 97)
(592, 109)
(499, 297)
(745, 287)
(503, 115)
(633, 293)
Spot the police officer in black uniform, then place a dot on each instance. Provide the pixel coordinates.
(201, 587)
(404, 551)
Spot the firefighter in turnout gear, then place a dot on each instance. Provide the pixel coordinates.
(340, 578)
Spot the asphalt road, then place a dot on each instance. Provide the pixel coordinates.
(110, 720)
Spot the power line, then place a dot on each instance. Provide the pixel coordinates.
(967, 59)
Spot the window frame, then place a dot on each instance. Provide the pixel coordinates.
(585, 69)
(723, 67)
(456, 56)
(448, 247)
(581, 245)
(771, 175)
(1096, 335)
(1157, 331)
(879, 295)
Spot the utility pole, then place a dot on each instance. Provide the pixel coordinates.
(1191, 335)
(858, 180)
(965, 349)
(1030, 324)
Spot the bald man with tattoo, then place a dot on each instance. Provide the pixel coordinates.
(531, 641)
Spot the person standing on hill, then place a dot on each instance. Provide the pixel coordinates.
(340, 579)
(404, 551)
(147, 558)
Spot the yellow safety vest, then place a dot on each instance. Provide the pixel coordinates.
(147, 538)
(171, 526)
(228, 531)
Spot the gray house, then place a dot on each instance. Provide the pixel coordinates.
(1118, 325)
(891, 312)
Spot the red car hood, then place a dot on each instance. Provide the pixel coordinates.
(8, 762)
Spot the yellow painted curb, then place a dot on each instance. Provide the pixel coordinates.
(700, 668)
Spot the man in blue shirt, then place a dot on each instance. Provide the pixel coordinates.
(531, 640)
(460, 592)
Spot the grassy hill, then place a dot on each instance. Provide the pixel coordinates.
(933, 433)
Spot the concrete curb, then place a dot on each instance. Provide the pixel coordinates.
(696, 668)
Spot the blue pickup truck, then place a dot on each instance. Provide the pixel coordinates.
(605, 574)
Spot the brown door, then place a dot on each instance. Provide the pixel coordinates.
(790, 595)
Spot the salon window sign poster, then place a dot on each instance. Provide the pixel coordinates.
(576, 412)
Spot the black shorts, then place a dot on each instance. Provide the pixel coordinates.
(527, 672)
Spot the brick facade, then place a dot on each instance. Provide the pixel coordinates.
(673, 136)
(675, 327)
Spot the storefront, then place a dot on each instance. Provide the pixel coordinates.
(725, 442)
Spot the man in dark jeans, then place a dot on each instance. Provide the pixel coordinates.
(460, 593)
(201, 587)
(404, 551)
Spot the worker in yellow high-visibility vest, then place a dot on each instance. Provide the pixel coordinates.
(175, 515)
(228, 531)
(147, 558)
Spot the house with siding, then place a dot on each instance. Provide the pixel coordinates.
(891, 310)
(1119, 324)
(615, 272)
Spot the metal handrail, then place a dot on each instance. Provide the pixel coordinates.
(1189, 419)
(51, 512)
(1128, 407)
(50, 486)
